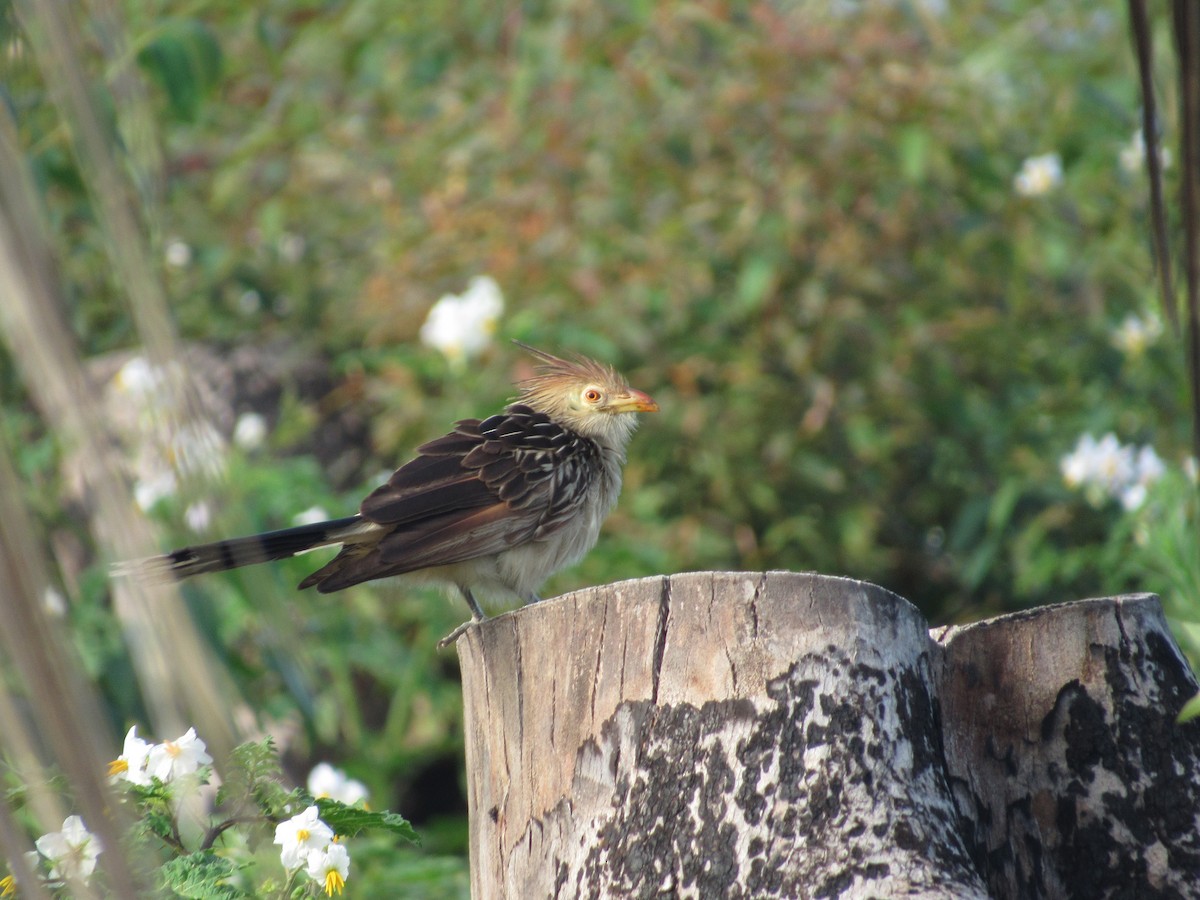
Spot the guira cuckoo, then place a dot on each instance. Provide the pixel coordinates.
(495, 506)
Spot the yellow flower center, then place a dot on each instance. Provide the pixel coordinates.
(8, 886)
(302, 835)
(334, 882)
(116, 767)
(172, 748)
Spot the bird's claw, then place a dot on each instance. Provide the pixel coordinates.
(457, 633)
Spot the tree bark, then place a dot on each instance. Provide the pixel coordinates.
(786, 735)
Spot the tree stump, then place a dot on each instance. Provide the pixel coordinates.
(795, 735)
(1062, 746)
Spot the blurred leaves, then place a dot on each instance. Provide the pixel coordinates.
(184, 58)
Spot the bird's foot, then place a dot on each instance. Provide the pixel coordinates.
(459, 632)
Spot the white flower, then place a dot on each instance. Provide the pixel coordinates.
(167, 453)
(131, 764)
(1077, 466)
(148, 491)
(483, 292)
(178, 254)
(1133, 154)
(1112, 465)
(310, 516)
(462, 326)
(1148, 466)
(139, 378)
(198, 516)
(250, 431)
(1132, 497)
(1108, 469)
(1135, 334)
(54, 603)
(182, 756)
(197, 448)
(157, 390)
(300, 835)
(329, 867)
(1039, 175)
(72, 852)
(326, 781)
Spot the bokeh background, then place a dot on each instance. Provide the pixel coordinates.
(885, 266)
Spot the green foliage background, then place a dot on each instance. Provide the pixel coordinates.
(793, 224)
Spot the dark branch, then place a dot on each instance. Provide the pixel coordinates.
(1143, 46)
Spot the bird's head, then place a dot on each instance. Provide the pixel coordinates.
(581, 394)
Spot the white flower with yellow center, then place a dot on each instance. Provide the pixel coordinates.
(329, 868)
(301, 835)
(131, 764)
(72, 852)
(1039, 175)
(1107, 468)
(1135, 334)
(182, 756)
(326, 781)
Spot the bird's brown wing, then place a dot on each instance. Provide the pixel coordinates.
(485, 487)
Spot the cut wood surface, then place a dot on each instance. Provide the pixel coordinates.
(796, 735)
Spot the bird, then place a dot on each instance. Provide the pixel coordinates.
(494, 507)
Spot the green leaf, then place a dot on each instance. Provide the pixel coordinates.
(913, 148)
(1190, 710)
(349, 821)
(185, 59)
(257, 759)
(200, 875)
(754, 284)
(253, 773)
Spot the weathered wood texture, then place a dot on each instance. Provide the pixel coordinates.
(787, 735)
(1063, 750)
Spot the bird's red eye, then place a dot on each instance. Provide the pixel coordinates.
(591, 395)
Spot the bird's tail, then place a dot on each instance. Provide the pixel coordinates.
(244, 551)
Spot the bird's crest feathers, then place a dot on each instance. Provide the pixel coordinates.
(554, 370)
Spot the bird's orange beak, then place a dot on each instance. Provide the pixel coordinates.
(635, 401)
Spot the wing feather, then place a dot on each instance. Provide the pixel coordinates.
(485, 487)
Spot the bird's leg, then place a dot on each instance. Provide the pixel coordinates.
(476, 612)
(531, 597)
(477, 616)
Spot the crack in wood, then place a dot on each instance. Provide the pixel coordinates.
(660, 636)
(599, 653)
(758, 589)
